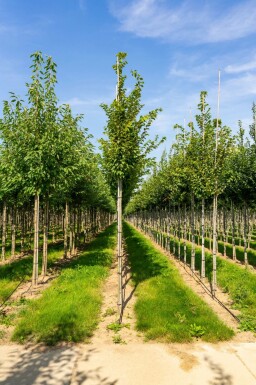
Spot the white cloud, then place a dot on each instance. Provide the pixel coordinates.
(238, 87)
(194, 74)
(186, 22)
(235, 69)
(75, 102)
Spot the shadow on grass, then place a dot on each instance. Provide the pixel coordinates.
(147, 267)
(69, 309)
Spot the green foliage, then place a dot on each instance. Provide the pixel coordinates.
(117, 339)
(44, 150)
(248, 323)
(109, 312)
(196, 331)
(116, 327)
(198, 162)
(125, 152)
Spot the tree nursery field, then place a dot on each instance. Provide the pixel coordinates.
(71, 216)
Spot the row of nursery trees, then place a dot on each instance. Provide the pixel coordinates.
(205, 187)
(50, 176)
(49, 173)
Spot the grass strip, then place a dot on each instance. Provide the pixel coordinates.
(166, 308)
(239, 282)
(251, 254)
(12, 273)
(69, 309)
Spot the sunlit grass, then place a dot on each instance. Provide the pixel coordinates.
(69, 309)
(166, 308)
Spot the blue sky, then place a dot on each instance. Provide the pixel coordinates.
(177, 46)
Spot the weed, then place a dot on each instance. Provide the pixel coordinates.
(248, 323)
(180, 317)
(7, 319)
(2, 334)
(110, 311)
(116, 327)
(196, 331)
(117, 339)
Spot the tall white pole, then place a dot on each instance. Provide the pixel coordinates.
(215, 201)
(119, 220)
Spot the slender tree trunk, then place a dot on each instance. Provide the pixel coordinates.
(202, 234)
(54, 226)
(22, 232)
(13, 232)
(233, 231)
(36, 241)
(66, 231)
(214, 244)
(119, 244)
(224, 231)
(45, 242)
(245, 235)
(4, 219)
(73, 229)
(193, 232)
(179, 230)
(185, 234)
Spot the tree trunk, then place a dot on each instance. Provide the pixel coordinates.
(36, 241)
(119, 244)
(193, 232)
(214, 244)
(185, 234)
(66, 231)
(245, 236)
(233, 232)
(22, 232)
(73, 229)
(202, 234)
(45, 243)
(4, 219)
(13, 232)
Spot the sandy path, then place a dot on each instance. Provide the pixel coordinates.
(131, 364)
(109, 312)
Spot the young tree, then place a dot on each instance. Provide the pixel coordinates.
(127, 147)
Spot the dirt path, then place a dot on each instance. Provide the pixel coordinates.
(109, 311)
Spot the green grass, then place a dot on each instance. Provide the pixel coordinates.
(69, 309)
(239, 282)
(12, 273)
(251, 254)
(28, 246)
(166, 308)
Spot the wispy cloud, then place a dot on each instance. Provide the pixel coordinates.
(90, 102)
(244, 67)
(75, 101)
(187, 22)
